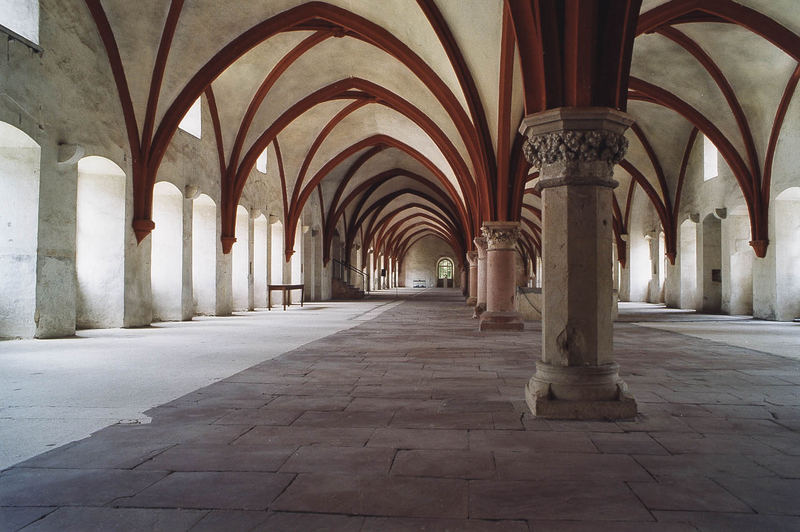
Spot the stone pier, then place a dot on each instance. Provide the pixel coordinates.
(575, 150)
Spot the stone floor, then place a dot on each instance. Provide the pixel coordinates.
(118, 374)
(415, 421)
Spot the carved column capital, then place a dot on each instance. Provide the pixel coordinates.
(575, 146)
(480, 244)
(472, 258)
(500, 235)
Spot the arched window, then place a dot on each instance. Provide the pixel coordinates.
(445, 268)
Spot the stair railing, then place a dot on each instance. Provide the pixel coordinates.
(344, 272)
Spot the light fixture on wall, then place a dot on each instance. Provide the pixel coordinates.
(191, 192)
(69, 154)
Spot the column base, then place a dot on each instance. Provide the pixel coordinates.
(471, 301)
(501, 321)
(579, 392)
(480, 308)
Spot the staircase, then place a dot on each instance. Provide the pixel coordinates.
(343, 274)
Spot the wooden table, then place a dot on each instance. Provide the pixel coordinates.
(286, 292)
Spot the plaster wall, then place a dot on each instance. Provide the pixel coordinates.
(166, 272)
(99, 252)
(737, 265)
(241, 261)
(204, 255)
(639, 265)
(421, 260)
(260, 260)
(787, 256)
(19, 185)
(709, 261)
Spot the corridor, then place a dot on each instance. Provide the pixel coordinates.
(414, 420)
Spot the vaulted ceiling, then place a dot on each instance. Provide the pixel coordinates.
(400, 117)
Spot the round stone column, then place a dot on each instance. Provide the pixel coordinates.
(480, 307)
(464, 285)
(575, 150)
(501, 287)
(472, 260)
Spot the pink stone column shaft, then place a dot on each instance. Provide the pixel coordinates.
(501, 287)
(480, 244)
(472, 260)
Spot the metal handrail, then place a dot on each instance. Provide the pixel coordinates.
(340, 269)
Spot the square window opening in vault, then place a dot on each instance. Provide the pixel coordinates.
(192, 122)
(710, 157)
(21, 17)
(261, 162)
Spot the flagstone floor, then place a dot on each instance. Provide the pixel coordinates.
(415, 421)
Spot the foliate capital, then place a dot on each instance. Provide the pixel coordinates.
(472, 258)
(480, 245)
(575, 145)
(500, 235)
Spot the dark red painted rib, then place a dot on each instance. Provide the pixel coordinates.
(276, 72)
(505, 181)
(467, 83)
(118, 71)
(687, 152)
(651, 154)
(160, 65)
(777, 124)
(734, 12)
(727, 91)
(212, 107)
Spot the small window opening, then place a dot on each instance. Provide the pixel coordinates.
(191, 122)
(710, 156)
(21, 17)
(261, 162)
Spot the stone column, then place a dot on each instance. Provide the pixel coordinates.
(575, 150)
(464, 285)
(480, 307)
(501, 281)
(472, 259)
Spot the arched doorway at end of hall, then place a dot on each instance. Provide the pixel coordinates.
(444, 273)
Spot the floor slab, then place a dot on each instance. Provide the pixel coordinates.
(413, 420)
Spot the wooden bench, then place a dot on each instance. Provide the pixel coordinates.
(286, 292)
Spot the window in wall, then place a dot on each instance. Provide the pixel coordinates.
(191, 122)
(445, 268)
(709, 159)
(21, 17)
(261, 162)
